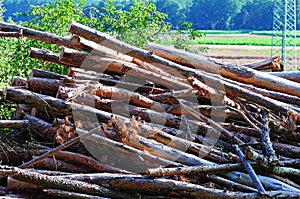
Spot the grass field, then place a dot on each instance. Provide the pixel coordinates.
(240, 37)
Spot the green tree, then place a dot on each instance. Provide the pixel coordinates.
(214, 14)
(177, 10)
(142, 22)
(260, 14)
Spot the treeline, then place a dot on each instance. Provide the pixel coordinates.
(204, 14)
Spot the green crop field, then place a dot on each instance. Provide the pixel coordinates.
(237, 37)
(241, 38)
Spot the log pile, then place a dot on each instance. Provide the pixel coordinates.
(156, 123)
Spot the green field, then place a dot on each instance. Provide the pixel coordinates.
(220, 37)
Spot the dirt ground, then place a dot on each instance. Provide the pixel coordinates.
(236, 54)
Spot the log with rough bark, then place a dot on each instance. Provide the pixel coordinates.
(274, 64)
(11, 34)
(46, 55)
(42, 36)
(67, 56)
(146, 185)
(13, 123)
(60, 183)
(238, 73)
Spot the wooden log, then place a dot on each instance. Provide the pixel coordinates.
(44, 85)
(290, 75)
(274, 63)
(71, 57)
(17, 185)
(230, 184)
(42, 36)
(110, 81)
(237, 73)
(124, 156)
(58, 148)
(80, 159)
(46, 55)
(18, 124)
(59, 183)
(290, 99)
(261, 160)
(67, 194)
(250, 171)
(287, 150)
(192, 170)
(61, 165)
(161, 150)
(266, 141)
(40, 129)
(11, 34)
(19, 81)
(46, 74)
(242, 74)
(142, 184)
(132, 71)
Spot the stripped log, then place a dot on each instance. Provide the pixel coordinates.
(290, 75)
(242, 74)
(234, 72)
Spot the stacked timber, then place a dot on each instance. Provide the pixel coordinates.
(133, 123)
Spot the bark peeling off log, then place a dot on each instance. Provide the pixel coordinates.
(238, 71)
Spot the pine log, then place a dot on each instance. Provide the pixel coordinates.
(46, 74)
(274, 63)
(40, 129)
(56, 193)
(290, 75)
(238, 73)
(110, 81)
(61, 165)
(250, 171)
(161, 150)
(142, 184)
(133, 72)
(46, 55)
(13, 124)
(261, 160)
(19, 81)
(234, 72)
(11, 34)
(79, 159)
(123, 156)
(71, 57)
(229, 183)
(287, 150)
(192, 170)
(60, 183)
(44, 85)
(42, 36)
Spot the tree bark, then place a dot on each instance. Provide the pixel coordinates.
(46, 55)
(237, 73)
(290, 75)
(42, 36)
(18, 124)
